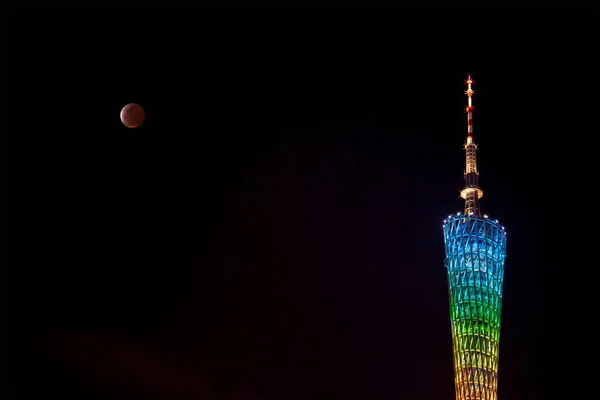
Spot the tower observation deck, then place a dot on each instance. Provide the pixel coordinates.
(475, 252)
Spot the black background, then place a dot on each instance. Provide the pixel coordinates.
(273, 229)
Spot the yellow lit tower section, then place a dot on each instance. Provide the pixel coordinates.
(475, 253)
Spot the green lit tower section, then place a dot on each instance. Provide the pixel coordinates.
(475, 254)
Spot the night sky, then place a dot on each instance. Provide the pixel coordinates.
(274, 229)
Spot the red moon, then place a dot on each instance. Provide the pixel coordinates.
(132, 115)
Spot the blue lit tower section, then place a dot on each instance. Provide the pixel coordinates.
(475, 254)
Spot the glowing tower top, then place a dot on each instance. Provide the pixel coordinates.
(471, 192)
(475, 256)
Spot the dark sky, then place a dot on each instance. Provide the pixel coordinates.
(273, 229)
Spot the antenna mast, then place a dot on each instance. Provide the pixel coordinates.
(471, 192)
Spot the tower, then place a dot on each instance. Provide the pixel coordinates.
(475, 253)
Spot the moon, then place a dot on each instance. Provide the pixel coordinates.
(132, 115)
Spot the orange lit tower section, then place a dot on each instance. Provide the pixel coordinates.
(471, 193)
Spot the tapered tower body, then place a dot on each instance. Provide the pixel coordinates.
(475, 254)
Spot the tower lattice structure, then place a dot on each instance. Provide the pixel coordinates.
(475, 253)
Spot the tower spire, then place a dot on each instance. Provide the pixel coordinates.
(471, 192)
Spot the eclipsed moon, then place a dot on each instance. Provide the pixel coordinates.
(132, 115)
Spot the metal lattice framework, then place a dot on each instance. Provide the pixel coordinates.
(475, 254)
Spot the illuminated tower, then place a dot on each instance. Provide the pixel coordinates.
(475, 253)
